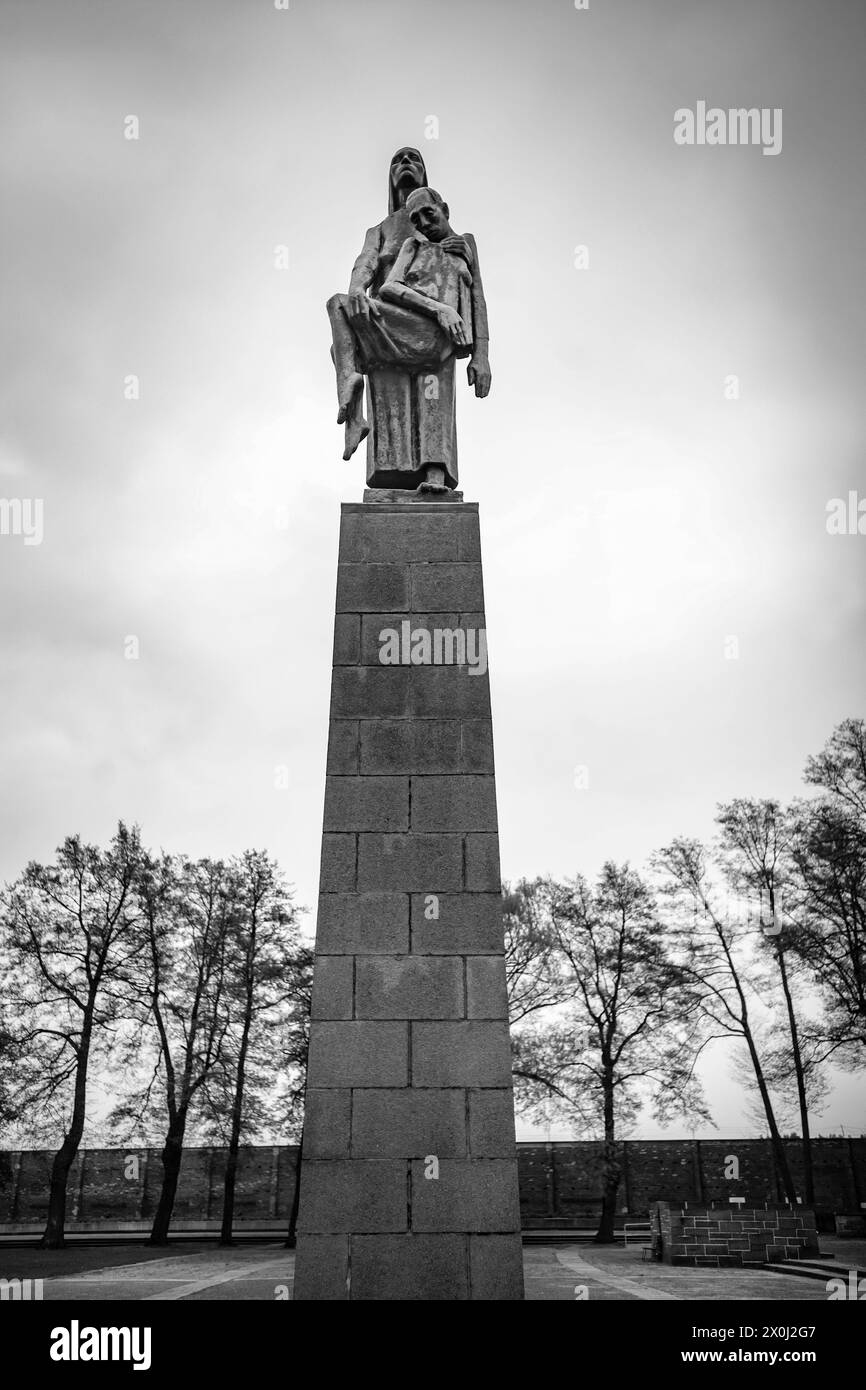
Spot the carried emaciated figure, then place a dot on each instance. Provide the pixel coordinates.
(425, 308)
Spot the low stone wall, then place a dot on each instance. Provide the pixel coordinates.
(732, 1236)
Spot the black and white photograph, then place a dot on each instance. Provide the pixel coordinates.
(433, 709)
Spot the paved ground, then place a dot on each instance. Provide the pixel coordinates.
(608, 1273)
(264, 1272)
(131, 1273)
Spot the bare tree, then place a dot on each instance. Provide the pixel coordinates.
(71, 941)
(183, 1018)
(829, 856)
(532, 972)
(13, 1095)
(755, 852)
(258, 1087)
(774, 1047)
(264, 988)
(295, 1040)
(618, 1042)
(708, 950)
(829, 852)
(840, 767)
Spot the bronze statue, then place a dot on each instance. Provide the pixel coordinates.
(415, 304)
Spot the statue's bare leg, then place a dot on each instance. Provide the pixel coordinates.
(434, 479)
(350, 379)
(357, 428)
(351, 399)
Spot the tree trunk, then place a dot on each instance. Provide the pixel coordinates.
(781, 1158)
(54, 1235)
(229, 1192)
(610, 1169)
(779, 1154)
(292, 1235)
(808, 1174)
(172, 1154)
(234, 1146)
(238, 1103)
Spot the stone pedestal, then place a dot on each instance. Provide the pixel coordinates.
(409, 1172)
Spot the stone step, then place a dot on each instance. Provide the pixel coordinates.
(816, 1269)
(558, 1236)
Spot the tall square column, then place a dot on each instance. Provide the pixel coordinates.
(409, 1169)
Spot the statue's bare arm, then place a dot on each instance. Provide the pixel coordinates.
(478, 371)
(360, 304)
(458, 246)
(398, 292)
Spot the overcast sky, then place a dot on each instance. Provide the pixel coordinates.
(634, 518)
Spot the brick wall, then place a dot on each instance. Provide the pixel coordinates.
(734, 1236)
(560, 1183)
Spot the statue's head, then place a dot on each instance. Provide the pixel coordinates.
(407, 172)
(429, 214)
